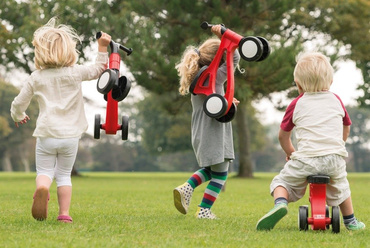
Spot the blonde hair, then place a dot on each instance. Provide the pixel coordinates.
(313, 72)
(55, 46)
(193, 59)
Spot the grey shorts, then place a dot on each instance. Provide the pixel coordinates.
(293, 177)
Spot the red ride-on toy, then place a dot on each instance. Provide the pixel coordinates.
(115, 89)
(250, 48)
(319, 219)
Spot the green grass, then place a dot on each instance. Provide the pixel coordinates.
(136, 210)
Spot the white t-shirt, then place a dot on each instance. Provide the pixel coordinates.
(318, 119)
(59, 95)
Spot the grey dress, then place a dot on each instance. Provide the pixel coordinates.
(212, 140)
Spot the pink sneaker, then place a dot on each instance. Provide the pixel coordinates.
(40, 203)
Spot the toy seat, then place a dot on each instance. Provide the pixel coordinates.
(319, 219)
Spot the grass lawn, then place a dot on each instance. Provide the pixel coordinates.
(136, 210)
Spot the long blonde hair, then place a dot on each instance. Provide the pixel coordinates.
(193, 59)
(55, 46)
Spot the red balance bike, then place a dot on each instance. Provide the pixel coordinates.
(115, 89)
(319, 219)
(250, 48)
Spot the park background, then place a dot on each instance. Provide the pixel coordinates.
(123, 196)
(158, 31)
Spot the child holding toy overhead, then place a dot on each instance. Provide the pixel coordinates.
(322, 126)
(56, 85)
(212, 140)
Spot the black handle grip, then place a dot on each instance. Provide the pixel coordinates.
(98, 35)
(113, 45)
(206, 25)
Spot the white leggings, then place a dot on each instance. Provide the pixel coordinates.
(55, 159)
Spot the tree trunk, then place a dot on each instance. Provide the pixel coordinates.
(7, 164)
(245, 161)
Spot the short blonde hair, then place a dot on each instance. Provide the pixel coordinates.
(313, 72)
(55, 46)
(193, 59)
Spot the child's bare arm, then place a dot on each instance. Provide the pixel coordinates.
(286, 143)
(346, 130)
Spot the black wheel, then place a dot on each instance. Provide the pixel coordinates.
(266, 48)
(106, 81)
(229, 115)
(97, 127)
(119, 93)
(335, 219)
(327, 216)
(250, 48)
(215, 105)
(124, 127)
(303, 218)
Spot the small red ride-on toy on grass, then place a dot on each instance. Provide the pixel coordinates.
(115, 89)
(319, 219)
(250, 48)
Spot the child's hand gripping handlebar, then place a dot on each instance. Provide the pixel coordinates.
(115, 46)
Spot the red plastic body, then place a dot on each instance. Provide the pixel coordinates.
(111, 125)
(229, 42)
(318, 219)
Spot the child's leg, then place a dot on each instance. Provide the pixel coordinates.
(269, 220)
(66, 157)
(183, 193)
(200, 176)
(64, 199)
(349, 218)
(45, 160)
(219, 175)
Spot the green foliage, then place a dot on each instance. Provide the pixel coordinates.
(358, 140)
(136, 210)
(10, 136)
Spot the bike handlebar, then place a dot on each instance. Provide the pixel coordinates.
(113, 44)
(206, 25)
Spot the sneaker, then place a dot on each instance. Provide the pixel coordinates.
(268, 221)
(40, 203)
(205, 213)
(182, 196)
(355, 225)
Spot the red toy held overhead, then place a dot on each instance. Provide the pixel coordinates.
(115, 89)
(250, 48)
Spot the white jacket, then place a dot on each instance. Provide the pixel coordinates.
(59, 95)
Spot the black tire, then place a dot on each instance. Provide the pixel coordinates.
(229, 116)
(327, 216)
(106, 81)
(97, 127)
(215, 105)
(303, 218)
(124, 127)
(266, 48)
(335, 219)
(119, 93)
(250, 48)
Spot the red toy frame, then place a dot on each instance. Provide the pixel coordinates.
(319, 219)
(251, 49)
(115, 89)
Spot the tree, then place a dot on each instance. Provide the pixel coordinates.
(159, 31)
(358, 140)
(10, 136)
